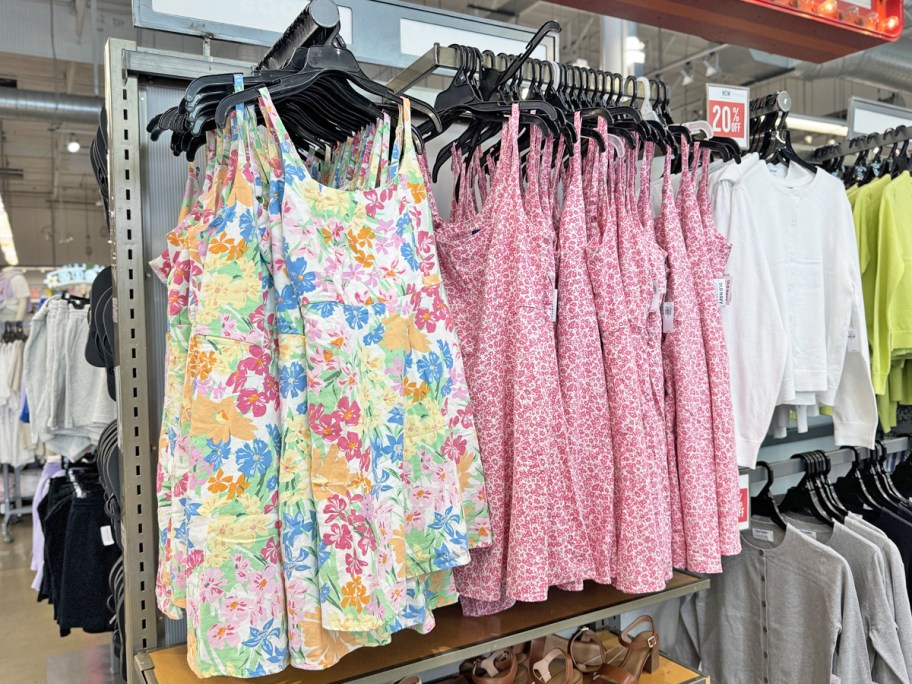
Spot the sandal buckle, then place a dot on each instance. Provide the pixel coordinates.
(652, 641)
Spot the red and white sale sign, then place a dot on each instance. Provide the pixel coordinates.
(744, 517)
(726, 111)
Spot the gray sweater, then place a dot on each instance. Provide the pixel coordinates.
(866, 562)
(895, 580)
(783, 611)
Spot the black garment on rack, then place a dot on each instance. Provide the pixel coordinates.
(77, 559)
(899, 530)
(87, 563)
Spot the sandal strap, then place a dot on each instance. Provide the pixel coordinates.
(651, 641)
(541, 671)
(587, 636)
(501, 662)
(612, 674)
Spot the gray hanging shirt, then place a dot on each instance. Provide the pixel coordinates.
(783, 611)
(895, 580)
(888, 665)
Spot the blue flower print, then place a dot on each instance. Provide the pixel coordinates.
(286, 299)
(375, 336)
(408, 253)
(429, 368)
(254, 458)
(218, 453)
(292, 379)
(355, 316)
(445, 353)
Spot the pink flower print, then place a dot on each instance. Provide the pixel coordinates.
(464, 417)
(257, 362)
(229, 325)
(273, 502)
(252, 400)
(177, 302)
(180, 487)
(384, 561)
(339, 536)
(270, 552)
(212, 585)
(366, 542)
(257, 318)
(396, 368)
(194, 558)
(237, 380)
(237, 607)
(354, 565)
(374, 203)
(270, 389)
(426, 320)
(241, 566)
(335, 508)
(350, 444)
(325, 425)
(454, 447)
(223, 635)
(354, 273)
(264, 583)
(349, 412)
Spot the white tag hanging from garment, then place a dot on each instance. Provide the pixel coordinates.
(668, 317)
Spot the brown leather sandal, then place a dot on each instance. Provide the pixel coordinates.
(587, 651)
(498, 668)
(642, 654)
(548, 670)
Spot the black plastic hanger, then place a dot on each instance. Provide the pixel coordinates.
(764, 504)
(803, 498)
(853, 491)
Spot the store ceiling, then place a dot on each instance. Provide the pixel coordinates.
(51, 193)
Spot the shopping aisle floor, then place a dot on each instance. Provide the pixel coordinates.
(30, 636)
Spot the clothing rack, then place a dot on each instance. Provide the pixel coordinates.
(838, 457)
(862, 143)
(319, 15)
(780, 102)
(543, 71)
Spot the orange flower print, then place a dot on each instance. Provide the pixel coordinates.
(221, 244)
(416, 391)
(355, 595)
(419, 193)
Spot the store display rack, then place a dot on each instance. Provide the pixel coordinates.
(454, 639)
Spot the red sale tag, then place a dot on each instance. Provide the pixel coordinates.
(744, 517)
(726, 110)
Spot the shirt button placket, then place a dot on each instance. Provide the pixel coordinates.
(764, 637)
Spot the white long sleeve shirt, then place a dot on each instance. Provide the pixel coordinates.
(796, 298)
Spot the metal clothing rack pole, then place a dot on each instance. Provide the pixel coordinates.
(10, 511)
(440, 57)
(862, 143)
(319, 15)
(838, 457)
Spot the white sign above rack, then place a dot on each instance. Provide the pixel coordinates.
(382, 32)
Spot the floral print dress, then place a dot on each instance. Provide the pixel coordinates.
(284, 505)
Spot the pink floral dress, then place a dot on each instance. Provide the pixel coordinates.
(687, 399)
(709, 250)
(640, 500)
(582, 378)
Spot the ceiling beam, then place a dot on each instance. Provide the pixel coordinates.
(518, 7)
(81, 7)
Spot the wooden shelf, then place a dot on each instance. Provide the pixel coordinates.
(454, 639)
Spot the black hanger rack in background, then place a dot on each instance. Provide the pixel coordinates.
(75, 301)
(832, 157)
(315, 23)
(769, 133)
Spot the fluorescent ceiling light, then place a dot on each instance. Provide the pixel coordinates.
(634, 50)
(6, 237)
(818, 124)
(73, 146)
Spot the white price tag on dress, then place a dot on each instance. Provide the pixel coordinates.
(554, 306)
(107, 536)
(668, 317)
